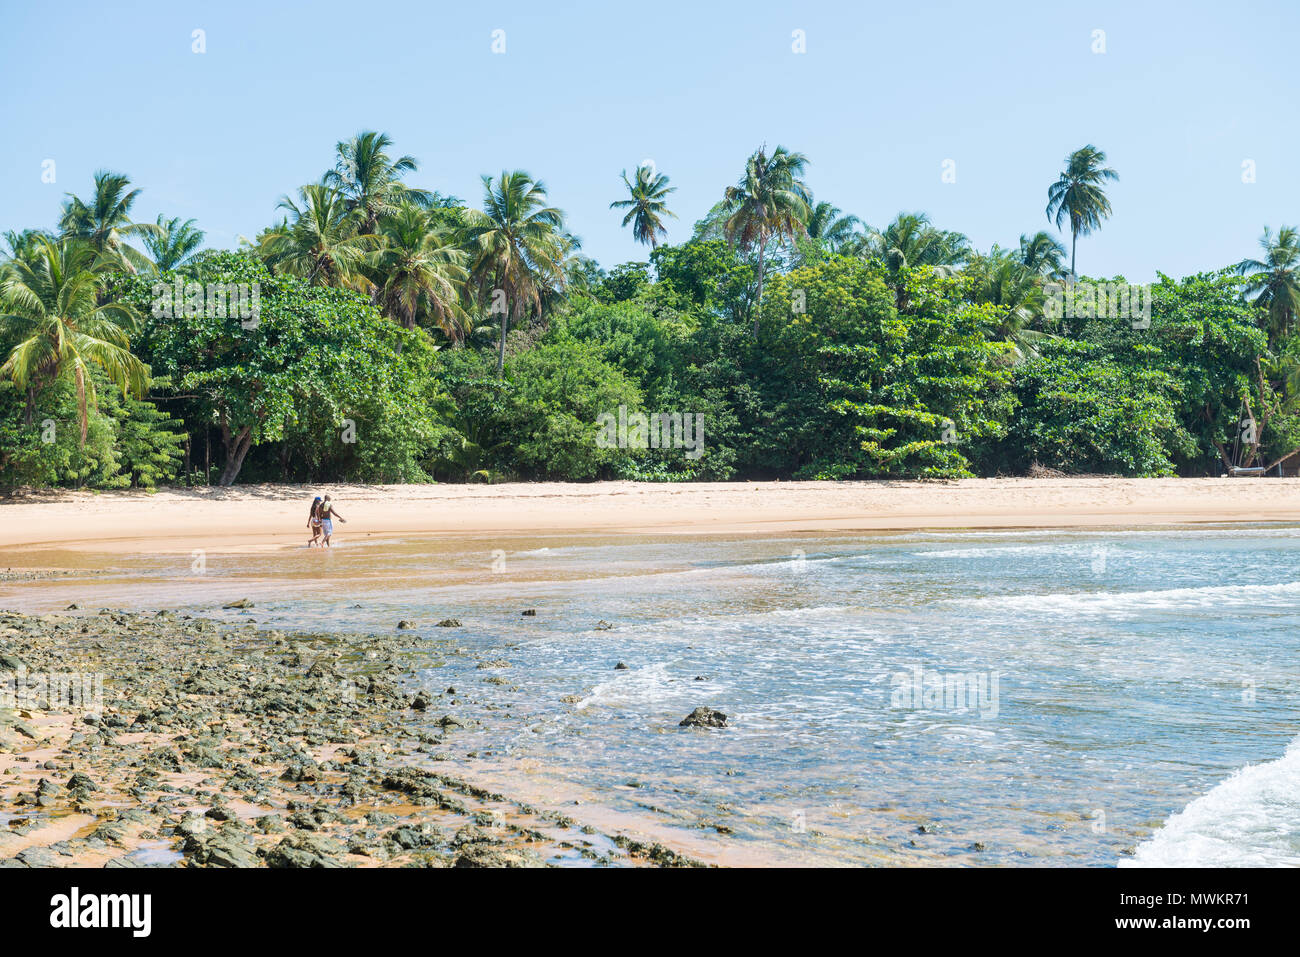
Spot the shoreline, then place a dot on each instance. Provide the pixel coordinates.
(271, 516)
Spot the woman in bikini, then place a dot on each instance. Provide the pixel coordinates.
(313, 521)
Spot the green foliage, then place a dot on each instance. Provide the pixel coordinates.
(558, 392)
(874, 391)
(1081, 412)
(313, 358)
(893, 352)
(129, 442)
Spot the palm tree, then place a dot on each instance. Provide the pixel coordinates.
(105, 221)
(369, 178)
(518, 247)
(1016, 292)
(770, 201)
(1078, 195)
(1041, 254)
(911, 240)
(418, 271)
(836, 231)
(320, 240)
(174, 244)
(647, 205)
(1274, 281)
(51, 307)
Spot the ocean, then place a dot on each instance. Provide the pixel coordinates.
(1047, 698)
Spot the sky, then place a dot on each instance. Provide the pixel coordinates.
(1183, 95)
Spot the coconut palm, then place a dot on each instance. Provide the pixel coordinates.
(1042, 254)
(320, 240)
(769, 201)
(104, 222)
(646, 205)
(1274, 281)
(911, 240)
(174, 244)
(418, 270)
(1078, 196)
(518, 248)
(51, 308)
(1015, 290)
(836, 231)
(370, 179)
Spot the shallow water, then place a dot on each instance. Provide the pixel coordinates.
(1097, 682)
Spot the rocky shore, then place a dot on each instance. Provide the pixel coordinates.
(130, 740)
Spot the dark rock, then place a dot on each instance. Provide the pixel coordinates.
(704, 718)
(304, 850)
(490, 855)
(81, 782)
(410, 836)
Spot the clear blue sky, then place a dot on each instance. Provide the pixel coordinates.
(884, 94)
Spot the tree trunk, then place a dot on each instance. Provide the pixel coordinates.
(236, 448)
(758, 312)
(1074, 245)
(501, 349)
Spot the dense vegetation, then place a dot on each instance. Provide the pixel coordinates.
(381, 332)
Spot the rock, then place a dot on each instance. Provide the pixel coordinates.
(704, 718)
(620, 667)
(269, 824)
(490, 855)
(304, 850)
(73, 607)
(242, 603)
(421, 702)
(81, 782)
(302, 771)
(449, 623)
(603, 625)
(410, 836)
(404, 624)
(529, 613)
(39, 857)
(222, 850)
(10, 663)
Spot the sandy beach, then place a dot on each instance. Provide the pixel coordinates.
(270, 515)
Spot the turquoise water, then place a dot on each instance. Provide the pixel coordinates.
(1098, 682)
